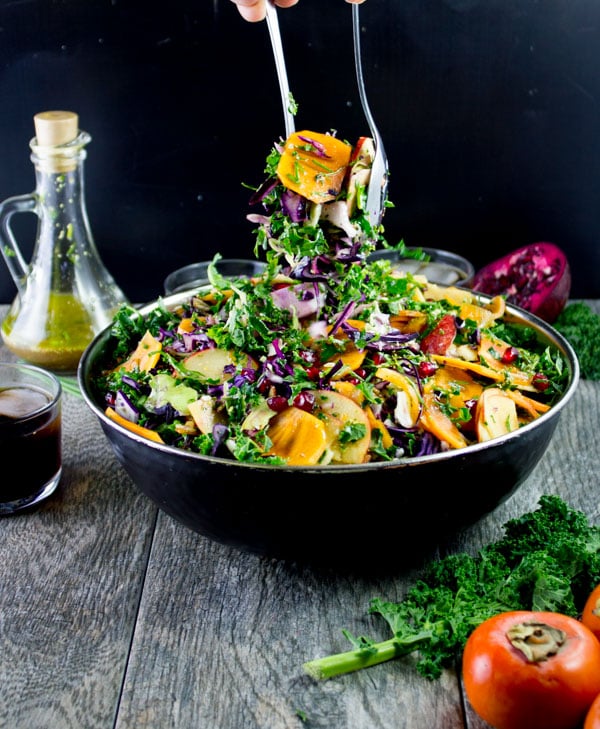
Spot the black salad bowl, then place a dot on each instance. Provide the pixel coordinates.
(337, 514)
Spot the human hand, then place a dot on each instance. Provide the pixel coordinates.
(255, 10)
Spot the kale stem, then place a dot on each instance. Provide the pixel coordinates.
(340, 663)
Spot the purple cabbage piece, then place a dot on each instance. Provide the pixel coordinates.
(335, 369)
(319, 268)
(426, 443)
(197, 341)
(294, 206)
(276, 367)
(350, 253)
(475, 337)
(124, 407)
(166, 413)
(318, 148)
(215, 391)
(127, 380)
(261, 192)
(343, 317)
(219, 433)
(247, 375)
(304, 299)
(165, 334)
(389, 342)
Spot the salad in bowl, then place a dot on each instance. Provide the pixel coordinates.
(329, 356)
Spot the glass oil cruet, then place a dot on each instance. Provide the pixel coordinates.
(65, 295)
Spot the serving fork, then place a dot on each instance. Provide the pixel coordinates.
(284, 88)
(378, 181)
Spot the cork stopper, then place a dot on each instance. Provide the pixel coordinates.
(54, 128)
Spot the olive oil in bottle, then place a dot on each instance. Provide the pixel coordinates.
(65, 295)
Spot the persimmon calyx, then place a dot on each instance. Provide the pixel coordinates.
(537, 641)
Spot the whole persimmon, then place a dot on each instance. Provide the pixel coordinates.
(531, 670)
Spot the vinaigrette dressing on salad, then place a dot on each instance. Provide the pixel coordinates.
(328, 357)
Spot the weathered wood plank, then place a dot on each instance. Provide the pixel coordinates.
(222, 636)
(71, 573)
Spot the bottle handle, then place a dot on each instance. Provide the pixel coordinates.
(17, 266)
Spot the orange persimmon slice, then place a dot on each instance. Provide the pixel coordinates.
(297, 436)
(133, 427)
(438, 423)
(314, 165)
(145, 356)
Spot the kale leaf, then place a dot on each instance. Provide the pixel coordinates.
(547, 560)
(580, 325)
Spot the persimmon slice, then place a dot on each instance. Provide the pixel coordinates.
(314, 165)
(298, 437)
(133, 427)
(145, 356)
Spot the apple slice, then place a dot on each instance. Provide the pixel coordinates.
(211, 363)
(204, 413)
(495, 414)
(338, 413)
(360, 171)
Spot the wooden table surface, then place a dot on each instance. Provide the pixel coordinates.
(113, 615)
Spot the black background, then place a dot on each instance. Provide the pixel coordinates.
(489, 110)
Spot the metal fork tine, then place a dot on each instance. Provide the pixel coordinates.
(379, 172)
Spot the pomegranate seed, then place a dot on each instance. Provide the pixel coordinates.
(510, 355)
(313, 373)
(378, 358)
(305, 400)
(278, 403)
(540, 382)
(426, 368)
(468, 424)
(360, 372)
